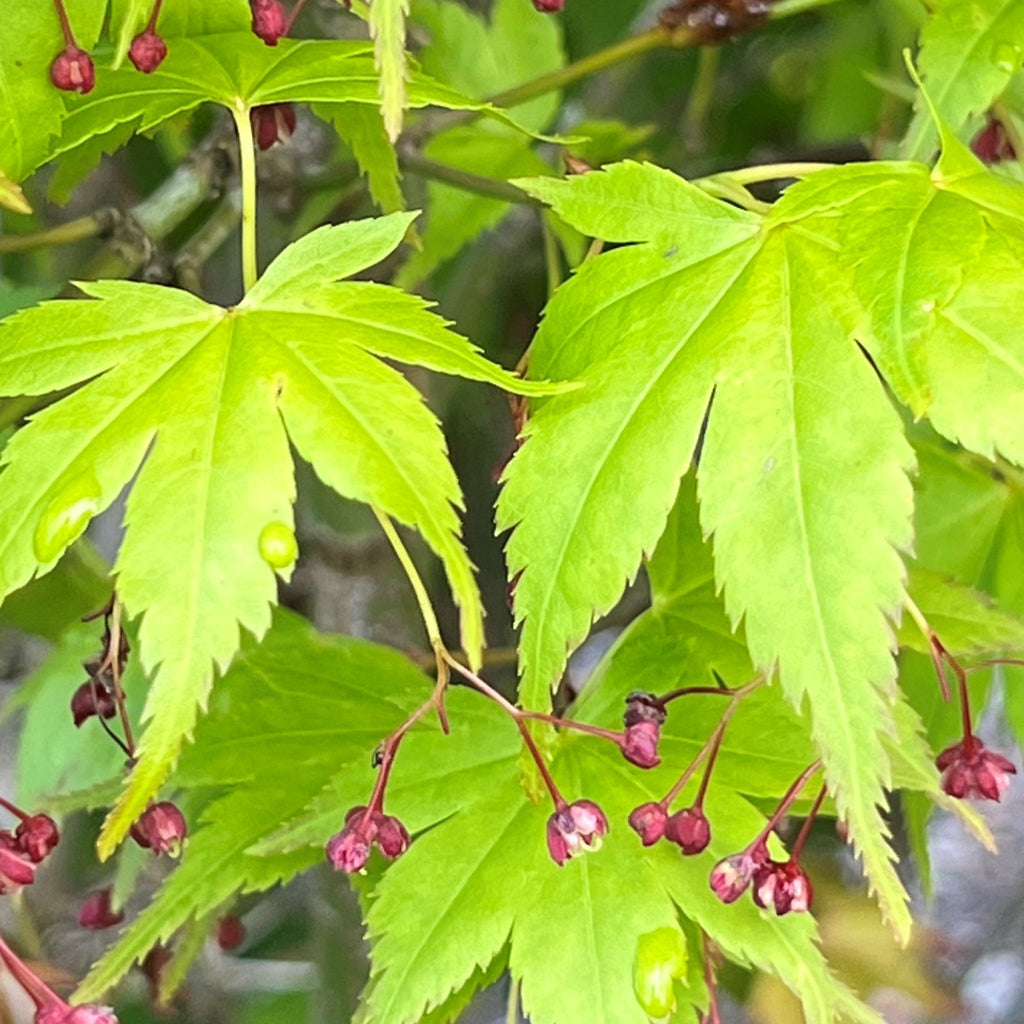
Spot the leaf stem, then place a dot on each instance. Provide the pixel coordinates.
(765, 172)
(247, 164)
(632, 46)
(441, 656)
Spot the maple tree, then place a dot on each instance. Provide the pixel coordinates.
(787, 397)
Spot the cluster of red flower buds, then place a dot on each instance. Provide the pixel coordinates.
(73, 70)
(25, 848)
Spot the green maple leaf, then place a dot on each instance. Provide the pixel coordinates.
(235, 70)
(805, 494)
(969, 51)
(937, 305)
(198, 403)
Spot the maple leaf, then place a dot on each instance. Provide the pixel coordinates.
(196, 404)
(969, 52)
(801, 445)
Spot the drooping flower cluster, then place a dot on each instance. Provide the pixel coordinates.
(22, 850)
(365, 828)
(970, 769)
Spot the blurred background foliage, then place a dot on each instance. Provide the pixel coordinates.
(827, 84)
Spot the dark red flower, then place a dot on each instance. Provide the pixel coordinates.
(731, 877)
(392, 837)
(37, 836)
(969, 769)
(690, 829)
(96, 913)
(268, 20)
(230, 933)
(782, 887)
(992, 145)
(549, 6)
(147, 51)
(349, 850)
(161, 828)
(648, 821)
(72, 70)
(16, 870)
(92, 698)
(272, 123)
(574, 829)
(639, 744)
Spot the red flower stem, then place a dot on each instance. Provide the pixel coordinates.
(961, 678)
(65, 24)
(710, 766)
(388, 753)
(151, 24)
(710, 748)
(17, 812)
(992, 662)
(518, 717)
(791, 794)
(805, 829)
(686, 691)
(293, 17)
(40, 993)
(569, 723)
(556, 796)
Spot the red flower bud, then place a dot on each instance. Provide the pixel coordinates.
(272, 123)
(782, 888)
(162, 828)
(992, 145)
(574, 829)
(268, 20)
(72, 70)
(549, 6)
(230, 933)
(639, 744)
(731, 877)
(16, 870)
(689, 828)
(642, 706)
(92, 698)
(648, 821)
(392, 837)
(37, 836)
(147, 51)
(96, 914)
(349, 850)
